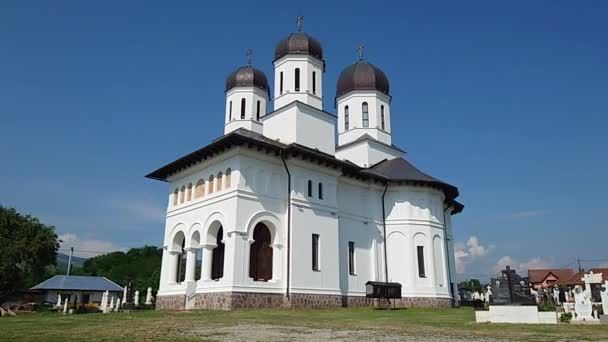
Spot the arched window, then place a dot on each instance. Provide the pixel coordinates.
(320, 190)
(382, 117)
(309, 188)
(199, 189)
(217, 261)
(260, 254)
(210, 185)
(281, 83)
(181, 264)
(189, 192)
(314, 82)
(218, 182)
(230, 111)
(257, 111)
(175, 194)
(346, 118)
(297, 79)
(182, 193)
(228, 178)
(365, 110)
(243, 102)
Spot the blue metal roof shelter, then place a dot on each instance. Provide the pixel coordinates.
(84, 283)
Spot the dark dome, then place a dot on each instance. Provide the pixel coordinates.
(362, 76)
(247, 76)
(298, 43)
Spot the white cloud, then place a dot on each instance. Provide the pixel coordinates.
(467, 253)
(86, 247)
(523, 266)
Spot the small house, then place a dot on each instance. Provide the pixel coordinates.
(78, 289)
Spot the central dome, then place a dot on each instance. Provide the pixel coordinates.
(247, 76)
(362, 76)
(300, 44)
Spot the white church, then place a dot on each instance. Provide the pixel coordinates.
(278, 213)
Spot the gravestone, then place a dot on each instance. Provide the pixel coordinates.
(604, 295)
(583, 310)
(149, 296)
(511, 289)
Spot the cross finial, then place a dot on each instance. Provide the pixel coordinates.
(299, 20)
(360, 51)
(249, 53)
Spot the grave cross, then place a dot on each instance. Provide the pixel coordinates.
(249, 54)
(360, 51)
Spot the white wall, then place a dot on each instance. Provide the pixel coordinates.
(252, 95)
(307, 65)
(367, 152)
(354, 100)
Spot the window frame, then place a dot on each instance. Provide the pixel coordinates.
(297, 79)
(314, 82)
(243, 105)
(351, 258)
(365, 114)
(310, 194)
(346, 118)
(382, 122)
(320, 191)
(315, 252)
(420, 259)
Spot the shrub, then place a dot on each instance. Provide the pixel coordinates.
(565, 317)
(546, 306)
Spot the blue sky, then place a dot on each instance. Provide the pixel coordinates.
(506, 100)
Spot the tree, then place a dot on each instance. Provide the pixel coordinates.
(138, 266)
(471, 285)
(29, 250)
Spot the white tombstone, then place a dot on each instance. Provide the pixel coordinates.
(149, 296)
(534, 292)
(567, 295)
(112, 304)
(65, 306)
(136, 298)
(124, 295)
(104, 302)
(583, 310)
(488, 293)
(604, 294)
(476, 296)
(556, 295)
(58, 300)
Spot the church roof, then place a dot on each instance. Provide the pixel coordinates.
(362, 76)
(247, 76)
(71, 282)
(394, 170)
(298, 43)
(368, 137)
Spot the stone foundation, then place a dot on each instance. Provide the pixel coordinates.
(240, 300)
(172, 302)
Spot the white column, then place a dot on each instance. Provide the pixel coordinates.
(207, 262)
(190, 263)
(172, 266)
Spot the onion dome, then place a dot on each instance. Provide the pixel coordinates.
(247, 76)
(362, 76)
(298, 43)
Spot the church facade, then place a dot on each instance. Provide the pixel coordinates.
(299, 207)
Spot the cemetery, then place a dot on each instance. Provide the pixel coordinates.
(511, 298)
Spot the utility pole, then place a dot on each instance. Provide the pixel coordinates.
(70, 261)
(580, 269)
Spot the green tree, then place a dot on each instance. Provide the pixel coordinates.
(138, 266)
(470, 285)
(28, 251)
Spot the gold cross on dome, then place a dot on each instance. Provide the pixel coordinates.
(360, 51)
(249, 53)
(299, 20)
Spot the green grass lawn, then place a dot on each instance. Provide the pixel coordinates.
(164, 325)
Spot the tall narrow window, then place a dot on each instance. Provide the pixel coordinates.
(421, 273)
(351, 258)
(182, 194)
(210, 185)
(218, 182)
(189, 192)
(309, 188)
(382, 125)
(243, 108)
(230, 111)
(281, 83)
(315, 252)
(320, 190)
(365, 110)
(314, 82)
(346, 118)
(181, 264)
(228, 178)
(297, 79)
(257, 115)
(175, 196)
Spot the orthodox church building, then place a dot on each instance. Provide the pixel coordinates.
(300, 207)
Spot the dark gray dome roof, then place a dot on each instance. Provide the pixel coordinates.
(247, 76)
(298, 43)
(362, 76)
